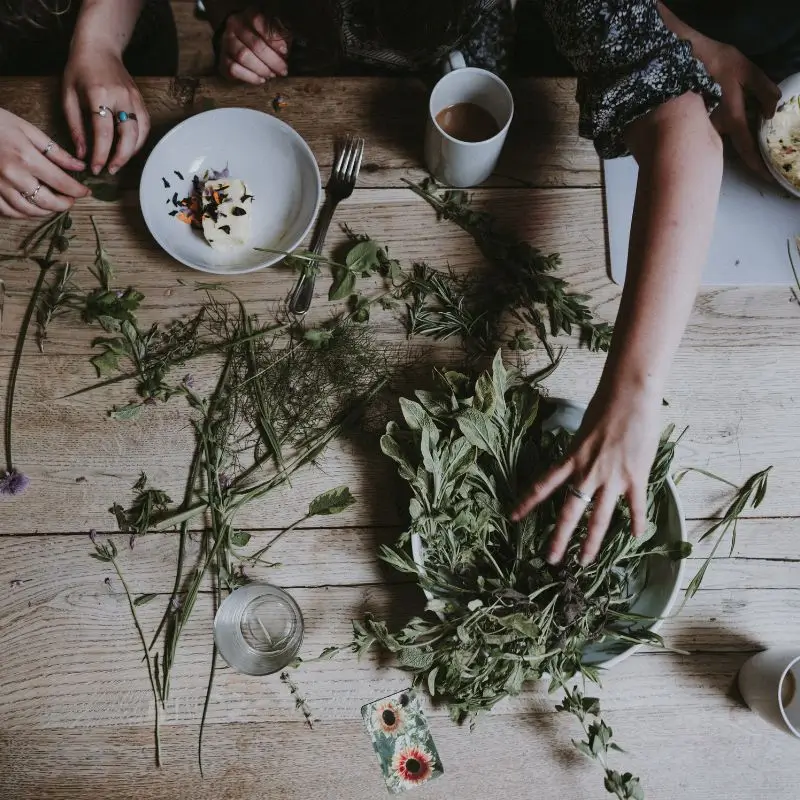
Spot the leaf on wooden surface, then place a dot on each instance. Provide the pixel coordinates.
(334, 501)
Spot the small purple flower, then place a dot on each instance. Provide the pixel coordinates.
(93, 536)
(14, 483)
(175, 605)
(188, 381)
(132, 540)
(224, 481)
(119, 293)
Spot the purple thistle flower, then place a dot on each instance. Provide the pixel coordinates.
(119, 293)
(14, 483)
(224, 480)
(188, 381)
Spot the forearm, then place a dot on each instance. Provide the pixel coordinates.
(106, 24)
(680, 169)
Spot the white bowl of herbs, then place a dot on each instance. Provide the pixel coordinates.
(501, 615)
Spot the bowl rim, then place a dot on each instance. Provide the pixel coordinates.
(786, 94)
(417, 551)
(270, 259)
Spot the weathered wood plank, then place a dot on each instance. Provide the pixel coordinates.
(543, 147)
(503, 756)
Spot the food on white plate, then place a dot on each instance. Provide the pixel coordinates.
(782, 140)
(219, 206)
(226, 213)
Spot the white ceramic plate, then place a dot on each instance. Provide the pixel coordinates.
(662, 576)
(270, 157)
(789, 88)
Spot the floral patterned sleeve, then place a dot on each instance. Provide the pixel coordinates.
(628, 63)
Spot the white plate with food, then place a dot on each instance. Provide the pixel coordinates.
(779, 137)
(230, 191)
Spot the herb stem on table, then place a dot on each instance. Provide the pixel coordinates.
(108, 554)
(14, 482)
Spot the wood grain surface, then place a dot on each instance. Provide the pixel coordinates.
(75, 708)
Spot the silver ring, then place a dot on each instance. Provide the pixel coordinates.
(103, 111)
(31, 196)
(582, 496)
(50, 145)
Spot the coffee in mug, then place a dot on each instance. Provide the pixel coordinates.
(467, 122)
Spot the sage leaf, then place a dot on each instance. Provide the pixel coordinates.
(131, 411)
(334, 501)
(240, 538)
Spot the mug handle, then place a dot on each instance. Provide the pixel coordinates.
(453, 61)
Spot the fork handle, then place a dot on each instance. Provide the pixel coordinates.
(300, 299)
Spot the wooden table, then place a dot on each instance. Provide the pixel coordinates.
(75, 706)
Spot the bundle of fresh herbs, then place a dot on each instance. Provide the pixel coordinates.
(498, 615)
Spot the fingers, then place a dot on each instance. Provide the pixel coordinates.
(21, 183)
(127, 136)
(244, 55)
(766, 92)
(232, 69)
(543, 488)
(50, 174)
(22, 206)
(571, 512)
(6, 210)
(637, 503)
(61, 158)
(603, 505)
(144, 122)
(745, 145)
(103, 128)
(74, 117)
(264, 52)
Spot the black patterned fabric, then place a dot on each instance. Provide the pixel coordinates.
(628, 63)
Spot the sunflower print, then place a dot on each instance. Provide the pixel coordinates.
(390, 717)
(413, 765)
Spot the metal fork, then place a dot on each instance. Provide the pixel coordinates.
(340, 187)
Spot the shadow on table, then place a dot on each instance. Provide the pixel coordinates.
(728, 650)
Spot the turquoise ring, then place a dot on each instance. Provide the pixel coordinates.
(124, 116)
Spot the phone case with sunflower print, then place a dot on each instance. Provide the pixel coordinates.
(402, 741)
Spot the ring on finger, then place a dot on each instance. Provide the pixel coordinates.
(103, 111)
(31, 196)
(586, 499)
(124, 116)
(50, 145)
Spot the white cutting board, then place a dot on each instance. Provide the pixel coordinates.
(754, 221)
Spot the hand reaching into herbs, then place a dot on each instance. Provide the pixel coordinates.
(97, 84)
(680, 169)
(252, 48)
(34, 179)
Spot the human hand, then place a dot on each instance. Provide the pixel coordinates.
(96, 78)
(611, 455)
(33, 177)
(738, 77)
(252, 49)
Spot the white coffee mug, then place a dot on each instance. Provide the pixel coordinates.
(450, 160)
(770, 685)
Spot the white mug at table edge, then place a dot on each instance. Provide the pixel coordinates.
(452, 161)
(769, 683)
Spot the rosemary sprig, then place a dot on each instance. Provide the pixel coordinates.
(60, 297)
(299, 701)
(107, 553)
